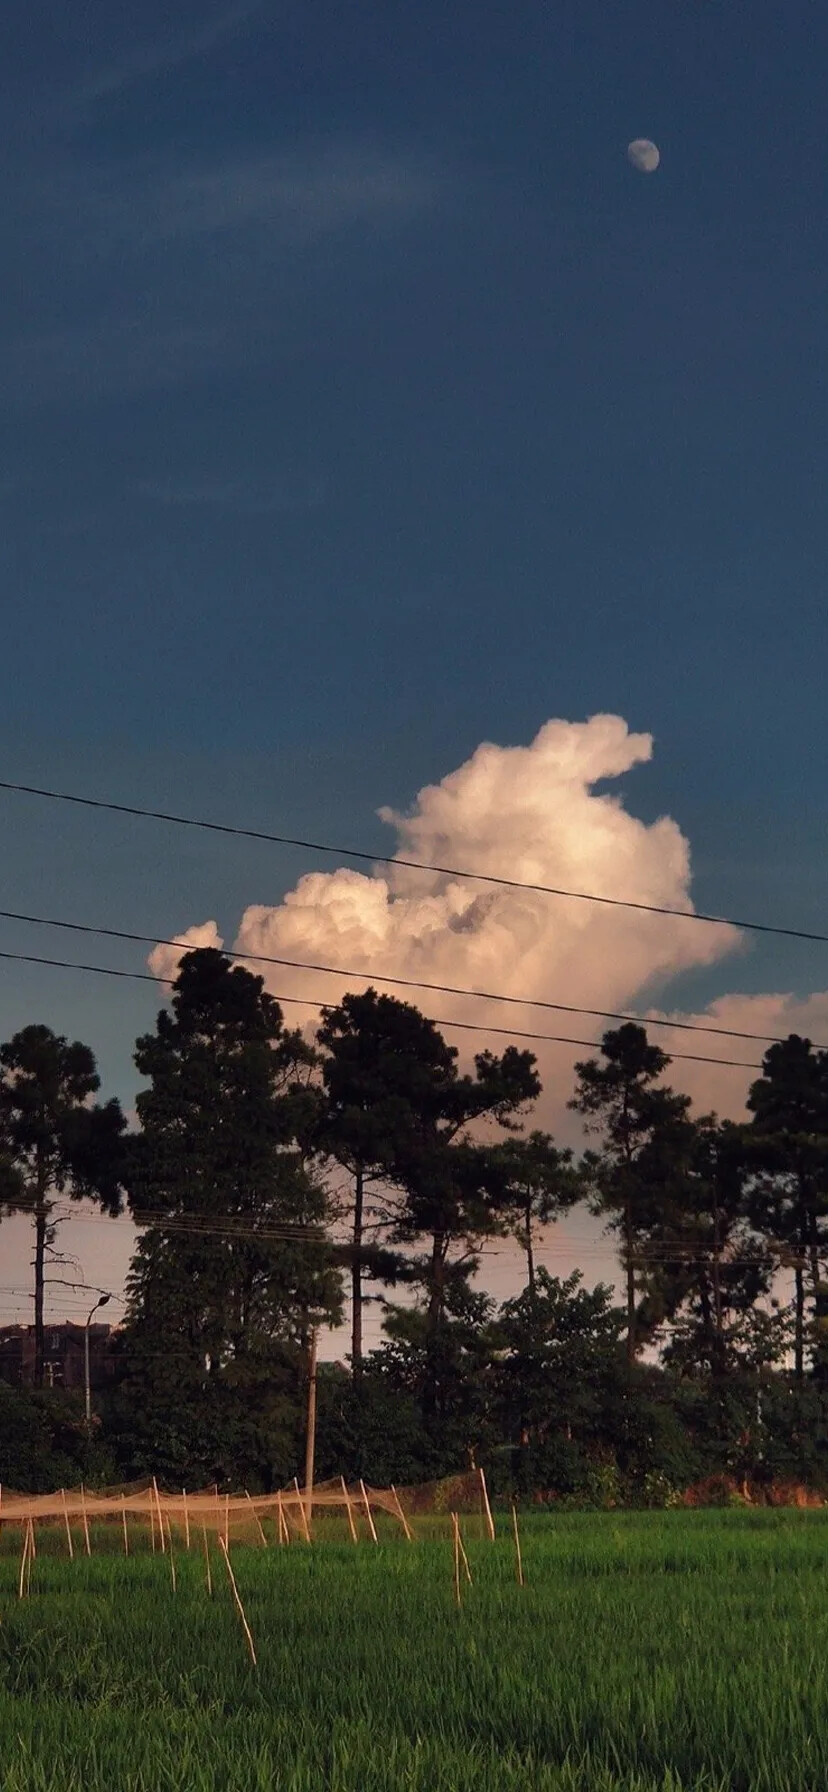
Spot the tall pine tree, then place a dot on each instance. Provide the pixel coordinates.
(621, 1101)
(234, 1268)
(788, 1153)
(384, 1067)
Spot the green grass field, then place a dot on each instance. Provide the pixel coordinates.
(647, 1652)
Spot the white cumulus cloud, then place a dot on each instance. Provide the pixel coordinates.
(531, 814)
(164, 960)
(536, 814)
(769, 1016)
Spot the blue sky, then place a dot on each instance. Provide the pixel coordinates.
(362, 403)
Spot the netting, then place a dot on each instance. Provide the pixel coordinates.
(330, 1508)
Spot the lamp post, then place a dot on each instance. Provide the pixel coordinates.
(87, 1389)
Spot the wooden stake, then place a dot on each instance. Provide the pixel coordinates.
(347, 1498)
(486, 1507)
(21, 1585)
(207, 1560)
(227, 1521)
(257, 1518)
(302, 1513)
(402, 1518)
(281, 1520)
(464, 1557)
(85, 1520)
(371, 1526)
(239, 1605)
(68, 1526)
(31, 1556)
(186, 1517)
(517, 1546)
(160, 1516)
(124, 1522)
(172, 1558)
(456, 1530)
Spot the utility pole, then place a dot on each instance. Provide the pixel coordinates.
(104, 1298)
(310, 1435)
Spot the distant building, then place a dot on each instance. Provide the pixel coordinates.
(62, 1355)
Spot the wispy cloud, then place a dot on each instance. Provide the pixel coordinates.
(199, 260)
(123, 356)
(280, 198)
(156, 58)
(303, 196)
(247, 494)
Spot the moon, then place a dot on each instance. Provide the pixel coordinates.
(643, 155)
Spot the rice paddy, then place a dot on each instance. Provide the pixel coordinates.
(646, 1652)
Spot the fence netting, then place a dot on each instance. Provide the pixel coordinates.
(331, 1509)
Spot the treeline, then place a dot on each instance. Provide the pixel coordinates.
(270, 1177)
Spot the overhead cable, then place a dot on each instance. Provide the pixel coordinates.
(465, 1026)
(373, 858)
(446, 989)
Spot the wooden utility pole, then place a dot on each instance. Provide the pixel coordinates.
(310, 1436)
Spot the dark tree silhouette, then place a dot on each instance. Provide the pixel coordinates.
(54, 1141)
(621, 1103)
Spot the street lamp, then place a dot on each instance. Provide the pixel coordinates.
(87, 1389)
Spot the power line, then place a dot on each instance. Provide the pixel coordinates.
(465, 1026)
(446, 989)
(230, 1226)
(373, 858)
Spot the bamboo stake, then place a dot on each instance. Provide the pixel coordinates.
(239, 1605)
(85, 1520)
(227, 1521)
(302, 1513)
(68, 1526)
(517, 1546)
(31, 1556)
(124, 1522)
(456, 1530)
(464, 1557)
(21, 1585)
(33, 1550)
(347, 1498)
(160, 1516)
(403, 1520)
(186, 1517)
(371, 1526)
(152, 1523)
(257, 1518)
(486, 1507)
(207, 1560)
(281, 1519)
(172, 1559)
